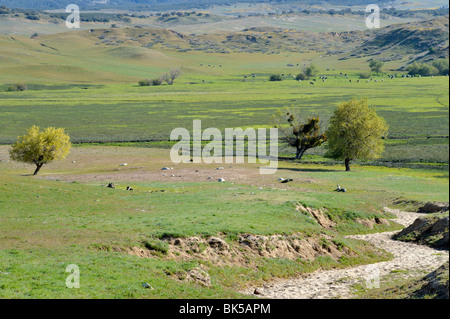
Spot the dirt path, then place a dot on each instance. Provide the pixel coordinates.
(410, 260)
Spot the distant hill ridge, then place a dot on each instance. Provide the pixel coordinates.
(159, 4)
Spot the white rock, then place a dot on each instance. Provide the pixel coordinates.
(124, 164)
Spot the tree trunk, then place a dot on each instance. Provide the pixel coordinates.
(300, 152)
(38, 168)
(347, 164)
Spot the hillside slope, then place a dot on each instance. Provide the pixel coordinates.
(416, 41)
(119, 54)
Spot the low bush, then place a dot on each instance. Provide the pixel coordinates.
(365, 75)
(302, 76)
(275, 77)
(18, 87)
(144, 83)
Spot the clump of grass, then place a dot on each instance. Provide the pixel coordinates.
(157, 245)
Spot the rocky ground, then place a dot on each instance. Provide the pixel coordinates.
(410, 260)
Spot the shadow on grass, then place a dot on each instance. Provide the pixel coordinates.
(294, 160)
(310, 169)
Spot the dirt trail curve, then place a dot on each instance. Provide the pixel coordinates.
(336, 283)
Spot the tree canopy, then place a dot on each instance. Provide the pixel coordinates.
(376, 65)
(40, 148)
(356, 132)
(301, 136)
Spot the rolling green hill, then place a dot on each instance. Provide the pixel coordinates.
(127, 54)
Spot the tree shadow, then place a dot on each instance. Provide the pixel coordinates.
(310, 169)
(294, 160)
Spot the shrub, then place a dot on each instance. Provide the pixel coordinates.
(18, 87)
(144, 83)
(442, 66)
(301, 76)
(156, 82)
(364, 75)
(32, 17)
(422, 69)
(4, 10)
(275, 77)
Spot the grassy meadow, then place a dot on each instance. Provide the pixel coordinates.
(67, 216)
(416, 109)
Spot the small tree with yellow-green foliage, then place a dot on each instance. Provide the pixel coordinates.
(40, 148)
(355, 132)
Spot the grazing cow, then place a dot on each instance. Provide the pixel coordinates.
(311, 83)
(287, 180)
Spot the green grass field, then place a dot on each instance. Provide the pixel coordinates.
(414, 108)
(66, 216)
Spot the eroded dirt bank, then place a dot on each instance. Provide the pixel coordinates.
(409, 259)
